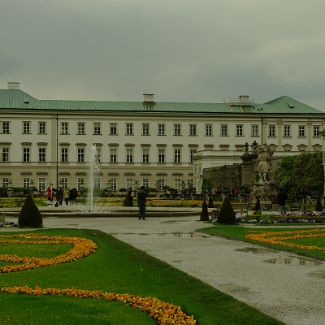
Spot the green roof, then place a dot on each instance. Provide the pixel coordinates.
(17, 99)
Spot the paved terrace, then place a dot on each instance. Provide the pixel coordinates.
(284, 285)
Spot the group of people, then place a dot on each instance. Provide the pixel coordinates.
(142, 201)
(61, 195)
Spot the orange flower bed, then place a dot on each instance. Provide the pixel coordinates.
(162, 312)
(81, 247)
(280, 238)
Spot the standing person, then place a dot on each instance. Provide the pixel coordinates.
(66, 196)
(282, 198)
(49, 194)
(142, 200)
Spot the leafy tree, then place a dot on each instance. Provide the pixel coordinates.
(29, 215)
(301, 175)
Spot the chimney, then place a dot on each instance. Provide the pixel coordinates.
(243, 98)
(148, 101)
(13, 85)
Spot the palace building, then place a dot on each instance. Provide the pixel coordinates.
(141, 143)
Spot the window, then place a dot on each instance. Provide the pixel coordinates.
(161, 156)
(255, 130)
(177, 156)
(64, 155)
(41, 184)
(192, 129)
(26, 128)
(64, 128)
(80, 155)
(129, 128)
(192, 153)
(97, 128)
(42, 127)
(98, 154)
(5, 154)
(208, 130)
(26, 182)
(316, 131)
(26, 154)
(161, 129)
(80, 183)
(160, 184)
(129, 155)
(129, 183)
(96, 183)
(224, 130)
(145, 182)
(81, 128)
(301, 131)
(177, 129)
(113, 155)
(64, 183)
(5, 127)
(286, 131)
(239, 130)
(178, 184)
(113, 128)
(113, 184)
(5, 182)
(41, 154)
(145, 129)
(145, 155)
(272, 133)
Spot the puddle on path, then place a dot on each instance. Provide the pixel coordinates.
(173, 221)
(318, 274)
(291, 260)
(255, 250)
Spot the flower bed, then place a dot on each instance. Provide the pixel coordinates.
(281, 238)
(161, 311)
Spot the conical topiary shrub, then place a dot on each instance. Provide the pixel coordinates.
(227, 214)
(29, 214)
(204, 212)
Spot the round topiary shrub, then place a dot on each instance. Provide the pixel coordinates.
(204, 212)
(227, 214)
(29, 214)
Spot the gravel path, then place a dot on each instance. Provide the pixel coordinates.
(283, 285)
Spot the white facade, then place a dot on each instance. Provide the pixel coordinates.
(148, 147)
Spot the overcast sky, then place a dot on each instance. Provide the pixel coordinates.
(181, 50)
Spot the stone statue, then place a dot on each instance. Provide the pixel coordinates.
(263, 166)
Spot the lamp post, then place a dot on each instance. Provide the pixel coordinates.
(322, 133)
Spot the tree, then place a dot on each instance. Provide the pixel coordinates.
(29, 215)
(301, 175)
(227, 214)
(204, 212)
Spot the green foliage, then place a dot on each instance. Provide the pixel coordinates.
(204, 212)
(301, 175)
(29, 215)
(227, 214)
(128, 271)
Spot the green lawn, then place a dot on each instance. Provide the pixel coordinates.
(239, 233)
(117, 267)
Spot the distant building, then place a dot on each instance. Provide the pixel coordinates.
(141, 143)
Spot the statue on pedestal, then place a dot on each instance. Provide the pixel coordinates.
(263, 167)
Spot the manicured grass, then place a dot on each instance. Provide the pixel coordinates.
(239, 233)
(117, 267)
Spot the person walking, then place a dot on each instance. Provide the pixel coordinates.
(142, 200)
(50, 194)
(66, 196)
